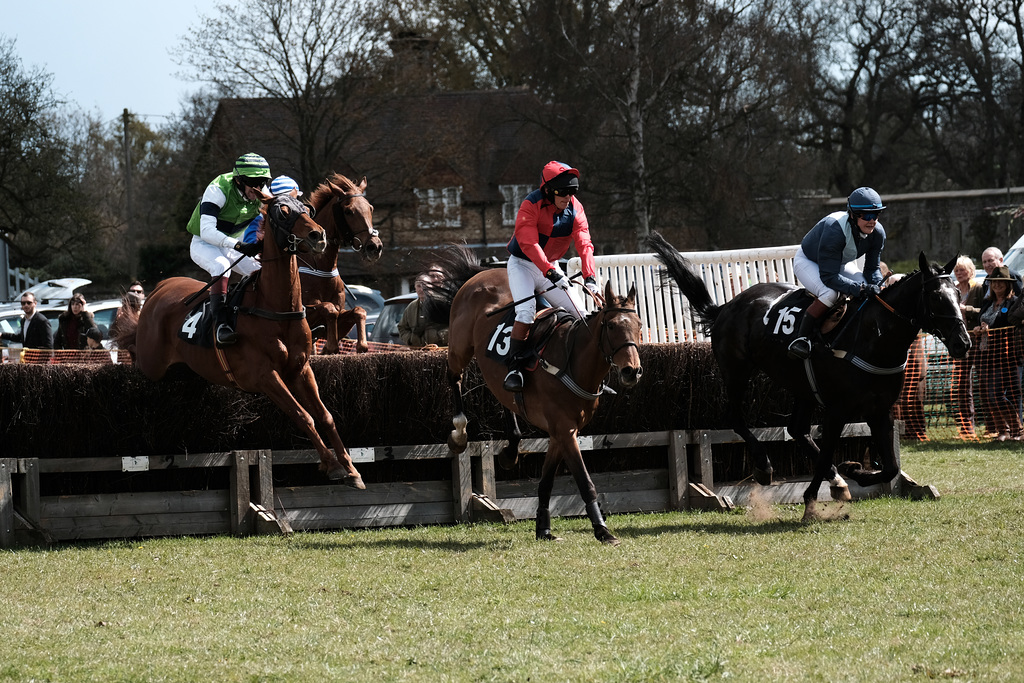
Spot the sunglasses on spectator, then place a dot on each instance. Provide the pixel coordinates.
(567, 192)
(27, 303)
(869, 215)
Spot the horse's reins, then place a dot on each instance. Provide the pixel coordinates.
(911, 321)
(567, 379)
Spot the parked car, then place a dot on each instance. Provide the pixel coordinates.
(385, 331)
(52, 292)
(1014, 257)
(371, 300)
(103, 311)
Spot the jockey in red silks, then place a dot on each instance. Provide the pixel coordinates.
(550, 219)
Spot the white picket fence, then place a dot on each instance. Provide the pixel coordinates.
(664, 313)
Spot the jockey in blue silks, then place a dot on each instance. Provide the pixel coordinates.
(826, 263)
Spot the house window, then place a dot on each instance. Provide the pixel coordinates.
(514, 196)
(439, 207)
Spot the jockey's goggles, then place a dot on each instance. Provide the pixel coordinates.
(252, 182)
(868, 215)
(564, 192)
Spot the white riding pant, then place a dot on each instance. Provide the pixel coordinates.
(809, 277)
(525, 279)
(216, 260)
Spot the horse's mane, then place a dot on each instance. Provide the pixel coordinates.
(319, 197)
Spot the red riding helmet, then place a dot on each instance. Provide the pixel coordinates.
(557, 175)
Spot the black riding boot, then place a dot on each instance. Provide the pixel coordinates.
(810, 331)
(514, 378)
(223, 333)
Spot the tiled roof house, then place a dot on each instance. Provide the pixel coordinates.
(441, 167)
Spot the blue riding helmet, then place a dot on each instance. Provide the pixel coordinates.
(864, 199)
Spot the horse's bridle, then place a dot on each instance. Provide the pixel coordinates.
(339, 219)
(602, 336)
(931, 316)
(284, 222)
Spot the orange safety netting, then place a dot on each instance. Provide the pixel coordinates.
(975, 398)
(105, 357)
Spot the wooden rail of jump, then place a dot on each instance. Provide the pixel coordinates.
(252, 504)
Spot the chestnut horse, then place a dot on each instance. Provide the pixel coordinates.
(466, 296)
(861, 376)
(347, 218)
(272, 353)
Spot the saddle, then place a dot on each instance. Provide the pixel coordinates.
(199, 323)
(544, 326)
(784, 316)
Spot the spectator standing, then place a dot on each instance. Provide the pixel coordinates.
(35, 332)
(910, 406)
(992, 258)
(997, 362)
(971, 299)
(136, 289)
(127, 316)
(414, 328)
(73, 325)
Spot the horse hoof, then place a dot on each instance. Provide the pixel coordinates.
(455, 444)
(508, 458)
(548, 536)
(840, 493)
(763, 477)
(355, 481)
(608, 538)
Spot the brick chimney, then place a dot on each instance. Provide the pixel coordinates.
(413, 60)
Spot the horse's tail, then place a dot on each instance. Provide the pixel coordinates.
(680, 270)
(449, 268)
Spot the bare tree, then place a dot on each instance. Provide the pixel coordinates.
(310, 55)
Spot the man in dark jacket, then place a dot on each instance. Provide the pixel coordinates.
(35, 332)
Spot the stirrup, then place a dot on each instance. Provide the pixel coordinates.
(225, 336)
(800, 348)
(513, 381)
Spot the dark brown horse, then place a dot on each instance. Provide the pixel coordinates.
(585, 349)
(861, 376)
(274, 344)
(347, 219)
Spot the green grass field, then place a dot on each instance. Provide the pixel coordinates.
(901, 591)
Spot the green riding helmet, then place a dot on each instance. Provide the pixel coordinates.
(252, 166)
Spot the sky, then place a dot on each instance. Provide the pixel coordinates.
(107, 55)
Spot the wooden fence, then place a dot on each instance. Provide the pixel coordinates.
(252, 503)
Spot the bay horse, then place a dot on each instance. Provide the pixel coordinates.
(861, 377)
(346, 216)
(274, 344)
(463, 294)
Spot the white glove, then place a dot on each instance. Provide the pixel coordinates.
(558, 279)
(591, 284)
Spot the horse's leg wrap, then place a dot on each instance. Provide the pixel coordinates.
(594, 513)
(544, 525)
